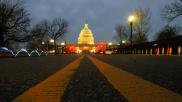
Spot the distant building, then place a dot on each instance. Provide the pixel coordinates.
(86, 36)
(86, 43)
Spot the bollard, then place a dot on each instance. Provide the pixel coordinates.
(146, 52)
(169, 51)
(158, 52)
(179, 50)
(162, 51)
(142, 52)
(151, 52)
(138, 51)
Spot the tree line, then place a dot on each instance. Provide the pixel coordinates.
(15, 26)
(142, 24)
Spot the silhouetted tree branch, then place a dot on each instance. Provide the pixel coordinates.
(57, 29)
(39, 34)
(14, 21)
(121, 33)
(141, 25)
(168, 32)
(172, 11)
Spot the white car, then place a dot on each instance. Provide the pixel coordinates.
(108, 52)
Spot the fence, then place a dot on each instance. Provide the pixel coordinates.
(171, 46)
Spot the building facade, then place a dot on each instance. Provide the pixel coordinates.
(86, 36)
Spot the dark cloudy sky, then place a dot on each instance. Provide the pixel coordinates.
(102, 15)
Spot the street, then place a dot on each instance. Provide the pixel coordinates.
(165, 71)
(91, 78)
(19, 74)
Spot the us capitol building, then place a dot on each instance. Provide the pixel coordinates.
(86, 40)
(86, 36)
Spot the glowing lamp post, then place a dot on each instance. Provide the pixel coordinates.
(63, 44)
(42, 46)
(110, 44)
(51, 41)
(43, 43)
(131, 19)
(123, 42)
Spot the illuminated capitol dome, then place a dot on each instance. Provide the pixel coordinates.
(86, 36)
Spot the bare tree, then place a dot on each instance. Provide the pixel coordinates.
(141, 25)
(14, 21)
(168, 32)
(172, 11)
(45, 30)
(121, 33)
(39, 34)
(57, 29)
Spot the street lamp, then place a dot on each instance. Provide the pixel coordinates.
(51, 40)
(43, 43)
(63, 44)
(131, 19)
(110, 43)
(123, 42)
(42, 46)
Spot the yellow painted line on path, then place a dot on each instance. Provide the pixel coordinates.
(134, 88)
(51, 89)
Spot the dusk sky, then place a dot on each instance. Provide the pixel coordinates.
(102, 15)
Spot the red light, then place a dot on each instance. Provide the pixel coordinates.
(71, 48)
(101, 46)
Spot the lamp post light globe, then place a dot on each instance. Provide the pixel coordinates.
(110, 43)
(51, 41)
(63, 44)
(43, 43)
(131, 18)
(123, 42)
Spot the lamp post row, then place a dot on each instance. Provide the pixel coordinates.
(52, 41)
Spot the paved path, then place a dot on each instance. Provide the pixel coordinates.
(165, 71)
(92, 80)
(89, 85)
(134, 88)
(51, 89)
(19, 74)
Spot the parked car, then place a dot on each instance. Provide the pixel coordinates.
(108, 51)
